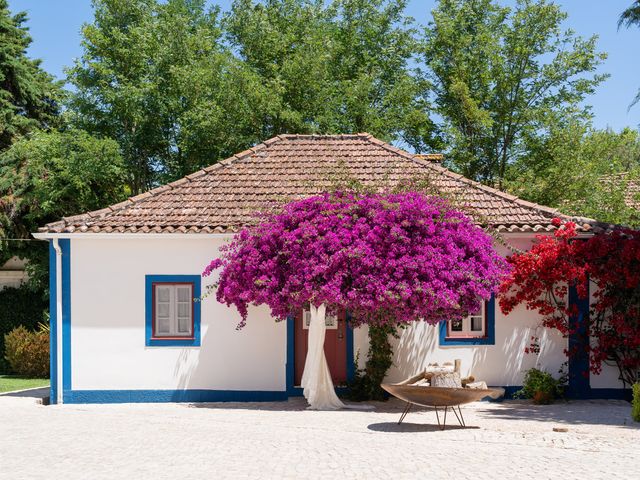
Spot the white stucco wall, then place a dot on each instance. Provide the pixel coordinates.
(502, 364)
(609, 377)
(108, 323)
(108, 329)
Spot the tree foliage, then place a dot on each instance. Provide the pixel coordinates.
(336, 67)
(179, 89)
(501, 76)
(156, 77)
(631, 16)
(386, 258)
(29, 97)
(628, 18)
(610, 262)
(580, 170)
(51, 175)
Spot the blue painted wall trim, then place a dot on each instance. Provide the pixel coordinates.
(291, 358)
(160, 396)
(579, 382)
(351, 362)
(608, 394)
(489, 339)
(65, 247)
(148, 330)
(53, 327)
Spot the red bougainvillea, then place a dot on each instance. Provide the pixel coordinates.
(608, 263)
(387, 258)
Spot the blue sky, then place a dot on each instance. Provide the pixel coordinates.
(55, 28)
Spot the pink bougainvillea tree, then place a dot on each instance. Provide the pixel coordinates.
(609, 263)
(387, 258)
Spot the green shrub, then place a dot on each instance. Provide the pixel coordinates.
(541, 387)
(635, 405)
(28, 352)
(19, 306)
(366, 382)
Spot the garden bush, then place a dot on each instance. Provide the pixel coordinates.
(28, 351)
(635, 405)
(366, 382)
(19, 306)
(541, 387)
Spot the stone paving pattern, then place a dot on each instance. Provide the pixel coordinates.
(284, 440)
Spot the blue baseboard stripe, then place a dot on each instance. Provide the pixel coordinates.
(162, 396)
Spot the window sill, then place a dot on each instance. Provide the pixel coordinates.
(465, 341)
(173, 342)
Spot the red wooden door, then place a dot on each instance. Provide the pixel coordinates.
(335, 348)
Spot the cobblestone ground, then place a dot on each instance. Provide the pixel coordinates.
(284, 440)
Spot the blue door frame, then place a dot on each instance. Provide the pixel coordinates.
(292, 390)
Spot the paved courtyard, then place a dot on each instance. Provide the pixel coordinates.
(284, 440)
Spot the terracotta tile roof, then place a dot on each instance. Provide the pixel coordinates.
(632, 195)
(226, 196)
(631, 185)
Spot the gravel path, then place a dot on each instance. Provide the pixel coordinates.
(284, 440)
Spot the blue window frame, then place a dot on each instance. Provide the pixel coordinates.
(181, 327)
(489, 337)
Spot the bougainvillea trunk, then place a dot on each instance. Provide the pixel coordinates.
(316, 379)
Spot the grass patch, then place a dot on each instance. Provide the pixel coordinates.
(9, 383)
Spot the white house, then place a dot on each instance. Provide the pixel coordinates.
(125, 327)
(12, 273)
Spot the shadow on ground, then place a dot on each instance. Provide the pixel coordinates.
(588, 412)
(300, 404)
(406, 427)
(31, 393)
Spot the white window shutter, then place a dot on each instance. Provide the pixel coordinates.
(163, 310)
(184, 307)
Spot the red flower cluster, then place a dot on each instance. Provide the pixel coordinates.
(610, 263)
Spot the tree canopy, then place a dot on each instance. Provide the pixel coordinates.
(156, 77)
(502, 77)
(29, 97)
(578, 169)
(179, 87)
(628, 18)
(343, 66)
(386, 258)
(48, 176)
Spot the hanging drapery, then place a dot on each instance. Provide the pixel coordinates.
(316, 378)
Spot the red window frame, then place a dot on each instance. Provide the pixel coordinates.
(153, 312)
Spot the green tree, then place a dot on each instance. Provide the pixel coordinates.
(48, 176)
(631, 16)
(502, 76)
(628, 18)
(156, 77)
(580, 170)
(337, 67)
(29, 97)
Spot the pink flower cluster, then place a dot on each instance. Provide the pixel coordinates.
(386, 258)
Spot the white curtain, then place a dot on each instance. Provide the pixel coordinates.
(316, 378)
